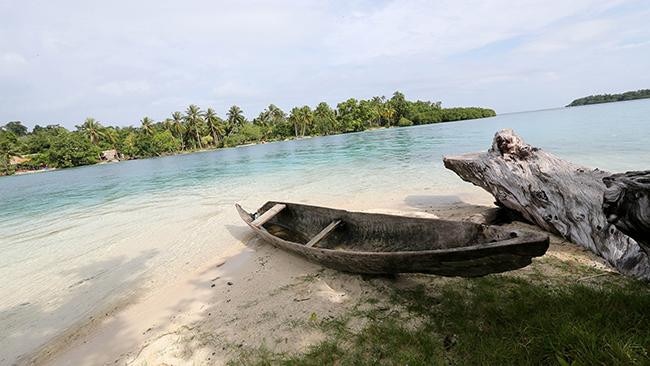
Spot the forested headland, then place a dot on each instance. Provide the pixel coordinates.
(608, 98)
(54, 146)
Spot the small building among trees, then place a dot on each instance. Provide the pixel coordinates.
(110, 155)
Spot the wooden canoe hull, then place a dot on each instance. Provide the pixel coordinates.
(383, 244)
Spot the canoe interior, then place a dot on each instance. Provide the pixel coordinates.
(377, 232)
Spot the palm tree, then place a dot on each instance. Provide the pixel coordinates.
(236, 119)
(263, 120)
(294, 118)
(215, 124)
(268, 118)
(301, 118)
(167, 124)
(193, 119)
(177, 127)
(110, 135)
(276, 113)
(147, 126)
(376, 108)
(305, 117)
(93, 129)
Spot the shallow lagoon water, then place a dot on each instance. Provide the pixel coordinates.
(78, 241)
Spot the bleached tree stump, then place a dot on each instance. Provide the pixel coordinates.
(555, 194)
(626, 204)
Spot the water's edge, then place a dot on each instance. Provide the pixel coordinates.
(74, 240)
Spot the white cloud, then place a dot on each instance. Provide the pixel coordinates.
(634, 44)
(234, 89)
(11, 59)
(125, 88)
(73, 59)
(443, 28)
(588, 33)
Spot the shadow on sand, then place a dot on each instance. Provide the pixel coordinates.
(36, 329)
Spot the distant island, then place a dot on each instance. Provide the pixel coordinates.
(608, 98)
(55, 147)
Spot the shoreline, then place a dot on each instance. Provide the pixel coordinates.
(25, 172)
(254, 295)
(180, 153)
(212, 149)
(127, 317)
(105, 316)
(170, 217)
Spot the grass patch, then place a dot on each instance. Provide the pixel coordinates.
(495, 320)
(504, 320)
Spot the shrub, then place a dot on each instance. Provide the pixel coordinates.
(404, 122)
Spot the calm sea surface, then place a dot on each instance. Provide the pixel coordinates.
(73, 241)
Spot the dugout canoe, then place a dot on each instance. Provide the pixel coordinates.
(374, 243)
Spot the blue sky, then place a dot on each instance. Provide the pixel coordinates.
(118, 61)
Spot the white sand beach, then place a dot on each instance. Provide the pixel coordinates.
(253, 295)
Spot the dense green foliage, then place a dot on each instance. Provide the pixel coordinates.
(607, 98)
(55, 147)
(8, 149)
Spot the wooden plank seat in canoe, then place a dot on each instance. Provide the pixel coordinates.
(378, 243)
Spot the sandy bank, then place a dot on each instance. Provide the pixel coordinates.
(252, 296)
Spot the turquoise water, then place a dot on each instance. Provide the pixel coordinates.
(609, 136)
(74, 240)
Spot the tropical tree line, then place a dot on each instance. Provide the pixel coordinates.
(608, 98)
(54, 146)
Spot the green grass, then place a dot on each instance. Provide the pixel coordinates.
(500, 320)
(495, 320)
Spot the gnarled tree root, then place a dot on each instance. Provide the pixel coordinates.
(626, 204)
(554, 194)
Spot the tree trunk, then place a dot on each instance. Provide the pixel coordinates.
(198, 139)
(626, 204)
(555, 194)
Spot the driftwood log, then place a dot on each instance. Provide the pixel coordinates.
(554, 194)
(626, 204)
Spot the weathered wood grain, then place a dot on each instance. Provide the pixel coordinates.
(268, 215)
(377, 243)
(323, 234)
(626, 203)
(553, 193)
